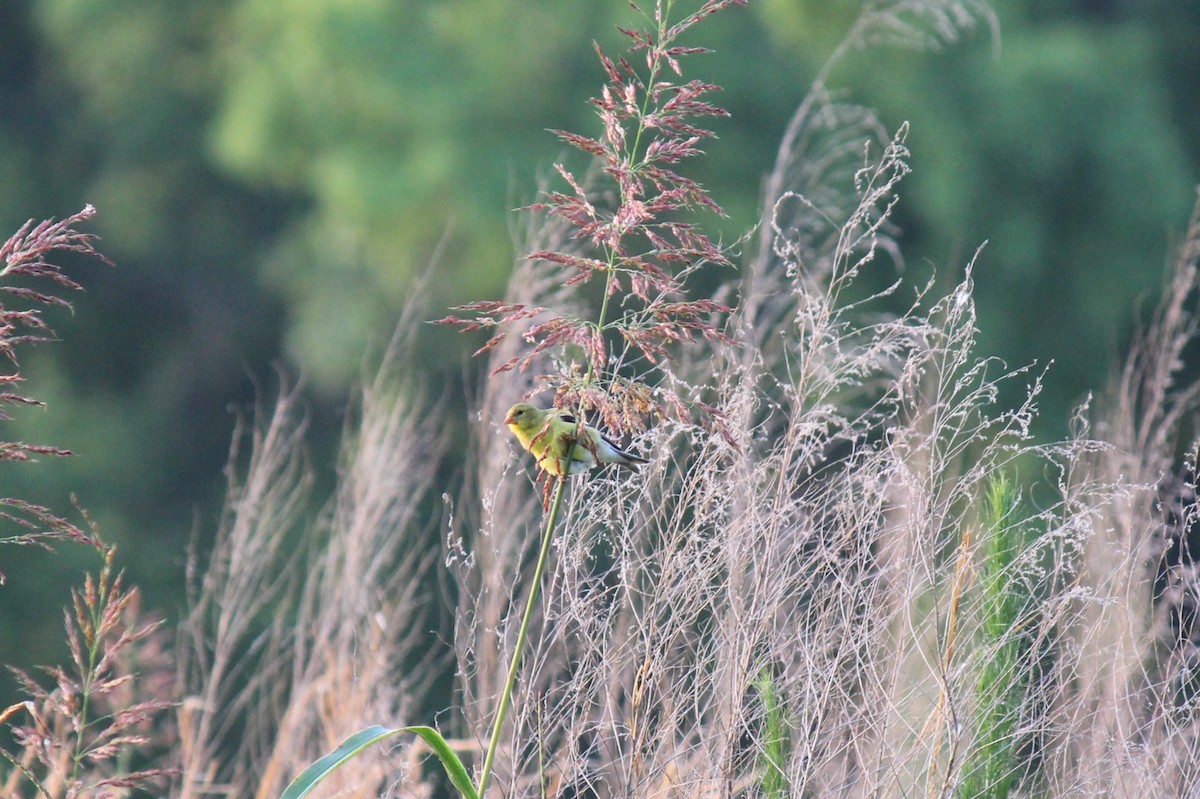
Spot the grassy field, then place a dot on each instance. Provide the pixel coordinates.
(847, 570)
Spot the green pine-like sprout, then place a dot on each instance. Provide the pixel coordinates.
(992, 765)
(775, 744)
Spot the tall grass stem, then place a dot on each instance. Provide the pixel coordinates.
(506, 695)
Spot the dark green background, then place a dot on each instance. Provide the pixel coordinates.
(271, 174)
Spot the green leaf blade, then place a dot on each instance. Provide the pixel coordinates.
(356, 743)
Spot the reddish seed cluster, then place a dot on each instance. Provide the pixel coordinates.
(631, 235)
(23, 258)
(81, 726)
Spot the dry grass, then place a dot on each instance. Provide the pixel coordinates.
(308, 622)
(830, 545)
(831, 549)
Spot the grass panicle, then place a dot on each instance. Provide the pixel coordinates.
(82, 726)
(30, 285)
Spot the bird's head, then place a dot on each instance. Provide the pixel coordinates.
(525, 417)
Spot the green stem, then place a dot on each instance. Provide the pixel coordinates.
(506, 696)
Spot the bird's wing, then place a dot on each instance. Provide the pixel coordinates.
(596, 435)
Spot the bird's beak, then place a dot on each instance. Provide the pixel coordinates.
(510, 418)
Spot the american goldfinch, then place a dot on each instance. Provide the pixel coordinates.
(549, 435)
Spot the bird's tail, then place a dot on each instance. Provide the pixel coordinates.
(630, 460)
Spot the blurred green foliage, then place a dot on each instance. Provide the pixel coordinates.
(272, 174)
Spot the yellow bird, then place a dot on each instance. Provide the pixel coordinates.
(549, 435)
